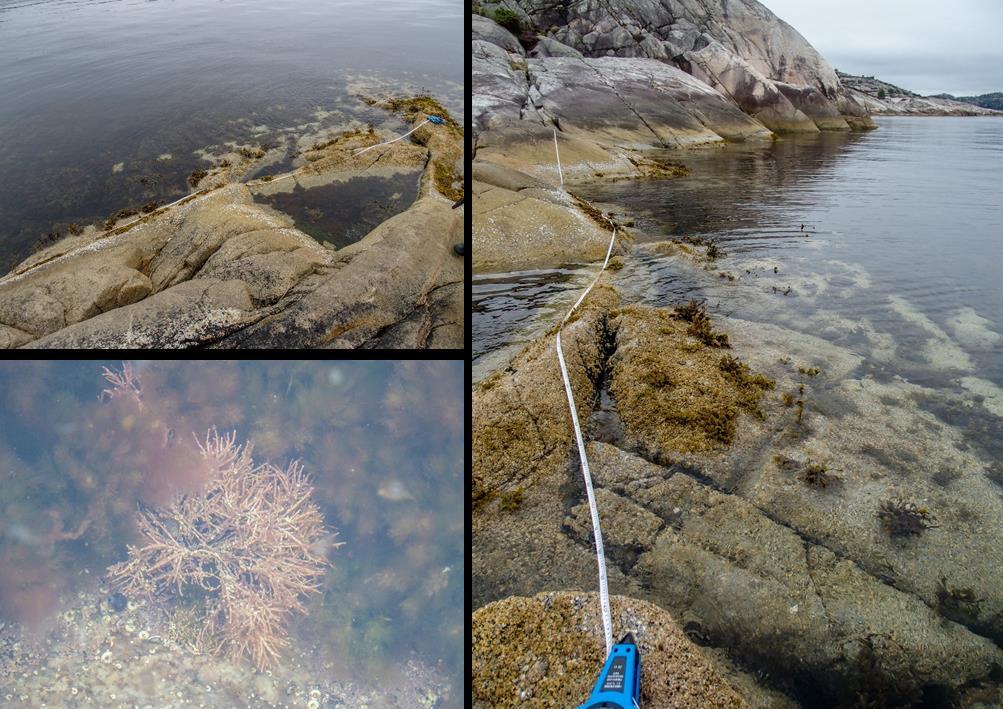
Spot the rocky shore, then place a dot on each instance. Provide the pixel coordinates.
(610, 85)
(882, 98)
(543, 651)
(735, 497)
(219, 270)
(819, 537)
(140, 655)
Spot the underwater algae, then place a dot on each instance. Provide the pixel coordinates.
(246, 543)
(243, 543)
(83, 459)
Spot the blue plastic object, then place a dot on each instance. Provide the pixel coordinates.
(437, 120)
(619, 683)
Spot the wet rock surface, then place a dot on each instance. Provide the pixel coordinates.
(521, 222)
(800, 582)
(547, 651)
(218, 270)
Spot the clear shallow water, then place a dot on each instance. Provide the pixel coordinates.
(892, 290)
(88, 84)
(511, 309)
(389, 482)
(343, 213)
(902, 234)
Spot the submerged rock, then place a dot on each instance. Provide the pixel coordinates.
(800, 583)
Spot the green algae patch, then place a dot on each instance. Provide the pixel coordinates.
(672, 386)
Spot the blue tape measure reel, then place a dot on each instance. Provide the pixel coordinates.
(619, 683)
(437, 120)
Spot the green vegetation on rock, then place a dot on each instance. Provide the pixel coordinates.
(508, 19)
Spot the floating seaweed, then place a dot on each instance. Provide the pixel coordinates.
(197, 176)
(816, 475)
(119, 215)
(959, 604)
(511, 501)
(785, 463)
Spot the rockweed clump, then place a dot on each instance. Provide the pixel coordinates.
(904, 519)
(695, 314)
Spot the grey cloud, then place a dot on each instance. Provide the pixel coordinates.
(921, 46)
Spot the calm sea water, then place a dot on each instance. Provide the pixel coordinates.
(88, 84)
(902, 230)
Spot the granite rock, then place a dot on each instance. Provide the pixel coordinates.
(546, 651)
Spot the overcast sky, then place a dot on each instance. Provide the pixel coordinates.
(928, 47)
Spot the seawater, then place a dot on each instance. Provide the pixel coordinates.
(86, 85)
(900, 250)
(389, 483)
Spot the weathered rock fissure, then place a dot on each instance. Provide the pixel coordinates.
(863, 565)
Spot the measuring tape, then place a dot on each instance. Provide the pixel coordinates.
(619, 683)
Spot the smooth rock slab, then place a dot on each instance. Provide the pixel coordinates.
(636, 103)
(379, 281)
(66, 292)
(190, 314)
(667, 30)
